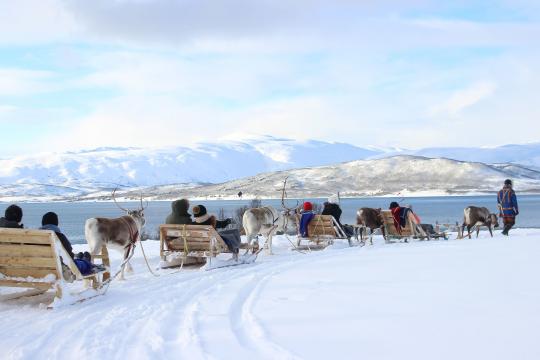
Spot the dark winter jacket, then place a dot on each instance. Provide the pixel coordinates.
(334, 210)
(63, 239)
(507, 201)
(304, 222)
(179, 214)
(4, 223)
(400, 216)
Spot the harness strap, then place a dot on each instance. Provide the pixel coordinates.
(133, 233)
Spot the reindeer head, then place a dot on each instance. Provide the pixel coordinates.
(288, 214)
(494, 220)
(137, 215)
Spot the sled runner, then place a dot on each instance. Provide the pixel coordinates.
(33, 259)
(322, 231)
(191, 244)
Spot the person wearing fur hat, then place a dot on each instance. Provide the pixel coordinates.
(508, 206)
(331, 207)
(231, 237)
(12, 218)
(203, 218)
(305, 219)
(179, 214)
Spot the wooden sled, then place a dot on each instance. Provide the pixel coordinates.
(393, 234)
(190, 244)
(322, 230)
(33, 259)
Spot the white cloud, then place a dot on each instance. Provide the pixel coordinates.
(30, 21)
(24, 82)
(464, 98)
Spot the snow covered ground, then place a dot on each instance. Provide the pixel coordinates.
(456, 299)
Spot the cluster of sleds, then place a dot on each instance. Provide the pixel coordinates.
(38, 259)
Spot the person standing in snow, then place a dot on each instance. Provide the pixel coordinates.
(508, 206)
(12, 218)
(179, 214)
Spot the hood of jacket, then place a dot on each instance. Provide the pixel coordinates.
(180, 207)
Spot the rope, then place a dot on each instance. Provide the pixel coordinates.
(146, 261)
(107, 283)
(296, 248)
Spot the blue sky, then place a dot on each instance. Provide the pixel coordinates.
(84, 74)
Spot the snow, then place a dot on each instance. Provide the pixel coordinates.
(162, 172)
(455, 299)
(50, 278)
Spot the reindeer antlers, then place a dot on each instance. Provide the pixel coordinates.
(114, 199)
(145, 206)
(126, 210)
(284, 195)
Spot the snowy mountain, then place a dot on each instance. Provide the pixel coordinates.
(403, 175)
(92, 173)
(204, 163)
(525, 154)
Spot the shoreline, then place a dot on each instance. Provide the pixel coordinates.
(250, 198)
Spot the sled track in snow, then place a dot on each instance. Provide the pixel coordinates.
(168, 317)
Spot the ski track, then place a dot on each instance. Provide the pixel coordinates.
(170, 324)
(91, 333)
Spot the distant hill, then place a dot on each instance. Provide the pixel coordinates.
(216, 168)
(403, 175)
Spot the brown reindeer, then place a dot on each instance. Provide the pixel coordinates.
(369, 218)
(478, 216)
(119, 233)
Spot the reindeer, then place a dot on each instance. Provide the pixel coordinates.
(369, 218)
(478, 216)
(119, 233)
(267, 221)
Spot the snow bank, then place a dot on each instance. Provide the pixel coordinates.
(456, 299)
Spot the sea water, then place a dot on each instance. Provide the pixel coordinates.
(442, 209)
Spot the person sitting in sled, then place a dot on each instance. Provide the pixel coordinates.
(403, 214)
(307, 215)
(231, 237)
(331, 207)
(179, 213)
(49, 221)
(12, 217)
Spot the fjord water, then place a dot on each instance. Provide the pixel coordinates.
(444, 209)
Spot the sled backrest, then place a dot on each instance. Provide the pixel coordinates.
(28, 256)
(191, 239)
(391, 228)
(323, 226)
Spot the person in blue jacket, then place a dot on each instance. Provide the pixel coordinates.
(307, 216)
(508, 206)
(82, 260)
